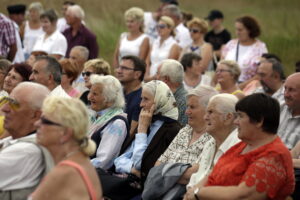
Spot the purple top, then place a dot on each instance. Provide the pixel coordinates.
(84, 37)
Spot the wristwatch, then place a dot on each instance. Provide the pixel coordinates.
(195, 193)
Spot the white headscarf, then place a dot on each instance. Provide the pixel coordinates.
(165, 103)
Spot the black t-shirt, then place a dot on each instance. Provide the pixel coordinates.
(217, 40)
(133, 108)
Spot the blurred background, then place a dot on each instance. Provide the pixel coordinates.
(279, 20)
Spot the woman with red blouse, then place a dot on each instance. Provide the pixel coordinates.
(259, 167)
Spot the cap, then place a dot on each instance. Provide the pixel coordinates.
(215, 14)
(16, 9)
(175, 2)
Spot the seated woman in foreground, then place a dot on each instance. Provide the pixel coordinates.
(259, 167)
(62, 130)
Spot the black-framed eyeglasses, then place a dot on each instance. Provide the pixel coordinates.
(161, 26)
(193, 30)
(87, 73)
(49, 122)
(127, 68)
(11, 102)
(222, 70)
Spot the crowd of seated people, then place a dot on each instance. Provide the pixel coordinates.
(181, 112)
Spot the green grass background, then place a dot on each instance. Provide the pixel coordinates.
(279, 19)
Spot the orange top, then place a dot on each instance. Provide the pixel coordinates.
(268, 167)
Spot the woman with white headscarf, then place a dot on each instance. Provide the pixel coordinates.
(156, 129)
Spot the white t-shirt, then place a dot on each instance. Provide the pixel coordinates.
(59, 92)
(150, 26)
(54, 44)
(182, 36)
(62, 24)
(19, 57)
(130, 47)
(160, 52)
(30, 37)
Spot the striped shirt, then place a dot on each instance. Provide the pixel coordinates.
(7, 35)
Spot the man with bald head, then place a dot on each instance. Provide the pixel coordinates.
(21, 162)
(289, 127)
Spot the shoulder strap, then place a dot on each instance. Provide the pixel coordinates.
(84, 176)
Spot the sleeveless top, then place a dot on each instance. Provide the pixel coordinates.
(130, 47)
(90, 187)
(160, 52)
(30, 37)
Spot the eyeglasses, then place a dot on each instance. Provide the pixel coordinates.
(127, 68)
(161, 26)
(192, 30)
(222, 70)
(87, 73)
(49, 122)
(11, 102)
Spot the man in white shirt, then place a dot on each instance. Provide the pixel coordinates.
(182, 34)
(21, 162)
(47, 71)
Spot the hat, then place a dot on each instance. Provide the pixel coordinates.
(16, 9)
(215, 14)
(175, 2)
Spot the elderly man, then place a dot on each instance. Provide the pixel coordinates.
(47, 71)
(79, 55)
(272, 77)
(78, 34)
(182, 34)
(171, 72)
(289, 126)
(131, 74)
(21, 162)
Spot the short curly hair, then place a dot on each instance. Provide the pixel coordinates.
(251, 25)
(201, 23)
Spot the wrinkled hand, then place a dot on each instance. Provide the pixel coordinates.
(135, 172)
(145, 119)
(189, 195)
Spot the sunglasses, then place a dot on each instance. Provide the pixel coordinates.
(192, 30)
(161, 26)
(49, 122)
(87, 73)
(13, 104)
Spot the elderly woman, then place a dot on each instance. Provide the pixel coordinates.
(62, 130)
(246, 50)
(95, 66)
(227, 75)
(198, 28)
(110, 128)
(156, 129)
(259, 167)
(32, 28)
(17, 73)
(52, 41)
(134, 42)
(70, 72)
(164, 47)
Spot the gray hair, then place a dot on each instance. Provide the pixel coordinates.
(53, 67)
(36, 6)
(35, 93)
(84, 52)
(77, 11)
(4, 65)
(112, 89)
(174, 11)
(203, 92)
(173, 69)
(225, 103)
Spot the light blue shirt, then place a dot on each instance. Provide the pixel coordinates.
(134, 153)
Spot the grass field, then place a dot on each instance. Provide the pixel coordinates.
(279, 20)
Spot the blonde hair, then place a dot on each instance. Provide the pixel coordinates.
(233, 67)
(99, 65)
(36, 6)
(71, 113)
(201, 23)
(136, 14)
(170, 23)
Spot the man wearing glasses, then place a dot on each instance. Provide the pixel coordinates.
(21, 161)
(131, 74)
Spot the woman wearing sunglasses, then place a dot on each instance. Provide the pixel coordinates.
(95, 66)
(62, 130)
(164, 47)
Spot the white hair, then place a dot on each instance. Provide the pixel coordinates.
(84, 52)
(34, 93)
(77, 11)
(225, 103)
(173, 10)
(173, 69)
(112, 89)
(203, 92)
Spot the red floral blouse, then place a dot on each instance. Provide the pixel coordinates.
(268, 167)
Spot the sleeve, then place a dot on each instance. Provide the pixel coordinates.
(140, 146)
(9, 33)
(61, 45)
(112, 139)
(268, 174)
(93, 47)
(227, 48)
(123, 163)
